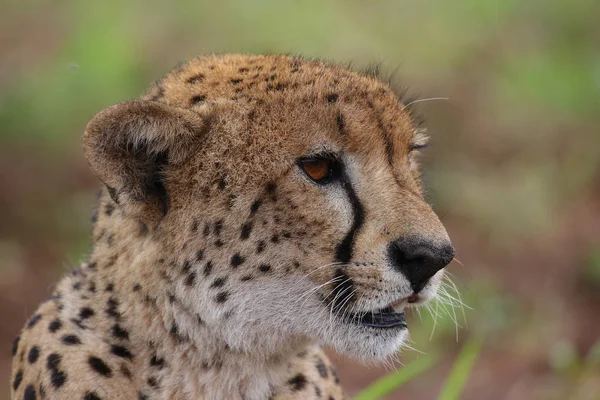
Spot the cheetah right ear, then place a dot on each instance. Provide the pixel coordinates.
(129, 146)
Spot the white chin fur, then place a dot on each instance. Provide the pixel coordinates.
(292, 317)
(366, 344)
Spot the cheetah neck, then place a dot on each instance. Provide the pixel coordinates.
(164, 330)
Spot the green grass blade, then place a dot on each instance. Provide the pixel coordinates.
(394, 380)
(461, 370)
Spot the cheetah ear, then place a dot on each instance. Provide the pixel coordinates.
(129, 146)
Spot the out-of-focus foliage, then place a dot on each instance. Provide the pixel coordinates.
(513, 169)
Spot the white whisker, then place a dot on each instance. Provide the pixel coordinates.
(423, 100)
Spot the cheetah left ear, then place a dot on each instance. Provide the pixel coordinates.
(129, 146)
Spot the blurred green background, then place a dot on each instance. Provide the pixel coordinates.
(514, 170)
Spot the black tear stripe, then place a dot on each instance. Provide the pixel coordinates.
(344, 250)
(343, 285)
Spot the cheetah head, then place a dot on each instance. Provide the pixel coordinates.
(285, 194)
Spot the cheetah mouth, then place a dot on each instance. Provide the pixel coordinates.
(385, 318)
(392, 316)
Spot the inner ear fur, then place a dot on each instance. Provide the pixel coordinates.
(129, 145)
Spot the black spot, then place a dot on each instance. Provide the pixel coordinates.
(91, 396)
(111, 308)
(119, 332)
(53, 361)
(57, 377)
(246, 229)
(108, 209)
(15, 345)
(152, 381)
(260, 247)
(264, 268)
(190, 279)
(142, 396)
(219, 243)
(198, 99)
(125, 371)
(322, 369)
(158, 362)
(208, 268)
(318, 391)
(254, 207)
(275, 238)
(246, 278)
(85, 313)
(194, 227)
(237, 260)
(219, 282)
(77, 285)
(92, 287)
(70, 340)
(136, 287)
(334, 374)
(186, 267)
(298, 382)
(17, 380)
(33, 355)
(121, 351)
(33, 321)
(94, 217)
(222, 297)
(111, 261)
(92, 265)
(218, 227)
(174, 330)
(332, 98)
(206, 230)
(236, 81)
(29, 393)
(195, 79)
(199, 255)
(100, 366)
(110, 287)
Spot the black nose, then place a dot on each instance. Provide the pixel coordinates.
(419, 259)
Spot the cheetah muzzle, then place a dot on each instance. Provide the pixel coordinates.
(254, 208)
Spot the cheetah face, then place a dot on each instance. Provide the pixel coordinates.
(356, 241)
(301, 216)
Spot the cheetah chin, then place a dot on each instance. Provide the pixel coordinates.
(254, 208)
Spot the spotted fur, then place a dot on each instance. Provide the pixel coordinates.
(218, 267)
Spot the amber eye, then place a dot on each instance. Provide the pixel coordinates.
(319, 169)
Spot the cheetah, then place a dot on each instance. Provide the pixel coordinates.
(254, 208)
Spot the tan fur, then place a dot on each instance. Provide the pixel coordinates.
(213, 253)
